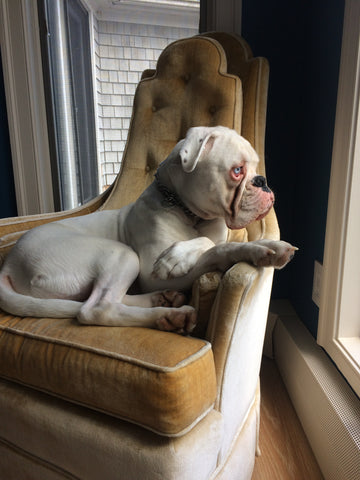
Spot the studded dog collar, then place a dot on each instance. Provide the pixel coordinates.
(172, 199)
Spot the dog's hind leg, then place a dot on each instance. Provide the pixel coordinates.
(108, 303)
(161, 298)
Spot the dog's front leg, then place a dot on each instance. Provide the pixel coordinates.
(262, 253)
(181, 257)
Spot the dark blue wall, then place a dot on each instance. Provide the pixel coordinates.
(7, 191)
(302, 41)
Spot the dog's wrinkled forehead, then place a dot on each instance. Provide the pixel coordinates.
(200, 140)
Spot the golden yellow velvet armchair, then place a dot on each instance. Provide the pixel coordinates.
(89, 403)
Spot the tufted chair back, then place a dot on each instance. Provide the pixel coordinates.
(190, 87)
(208, 80)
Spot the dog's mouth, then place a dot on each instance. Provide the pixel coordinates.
(250, 210)
(233, 210)
(234, 206)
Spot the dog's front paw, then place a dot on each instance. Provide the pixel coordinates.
(273, 253)
(178, 320)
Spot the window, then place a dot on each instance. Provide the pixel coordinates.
(125, 42)
(35, 142)
(70, 101)
(339, 321)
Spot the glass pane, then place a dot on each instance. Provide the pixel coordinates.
(72, 101)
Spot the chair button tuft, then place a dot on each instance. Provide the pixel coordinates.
(153, 108)
(147, 168)
(212, 109)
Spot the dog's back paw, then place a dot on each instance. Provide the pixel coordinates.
(178, 320)
(168, 298)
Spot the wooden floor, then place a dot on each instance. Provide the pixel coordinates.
(285, 451)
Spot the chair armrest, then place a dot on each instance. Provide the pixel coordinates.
(236, 331)
(11, 229)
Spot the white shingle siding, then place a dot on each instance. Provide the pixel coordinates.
(122, 52)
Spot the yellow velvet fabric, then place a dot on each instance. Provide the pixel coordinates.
(159, 380)
(190, 87)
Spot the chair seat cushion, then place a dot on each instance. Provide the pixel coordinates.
(160, 380)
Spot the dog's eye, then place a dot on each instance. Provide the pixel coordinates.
(236, 172)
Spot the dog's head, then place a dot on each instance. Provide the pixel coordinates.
(220, 178)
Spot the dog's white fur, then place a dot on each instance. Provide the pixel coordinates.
(83, 267)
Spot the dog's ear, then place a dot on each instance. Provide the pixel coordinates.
(199, 140)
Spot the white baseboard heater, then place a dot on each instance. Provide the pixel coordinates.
(327, 407)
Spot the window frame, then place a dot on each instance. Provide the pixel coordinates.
(339, 316)
(25, 99)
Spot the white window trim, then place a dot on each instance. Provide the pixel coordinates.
(170, 13)
(92, 20)
(21, 58)
(339, 318)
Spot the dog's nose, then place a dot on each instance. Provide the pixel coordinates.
(260, 181)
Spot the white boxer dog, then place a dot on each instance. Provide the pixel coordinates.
(83, 267)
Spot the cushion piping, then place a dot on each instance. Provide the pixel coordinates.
(118, 356)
